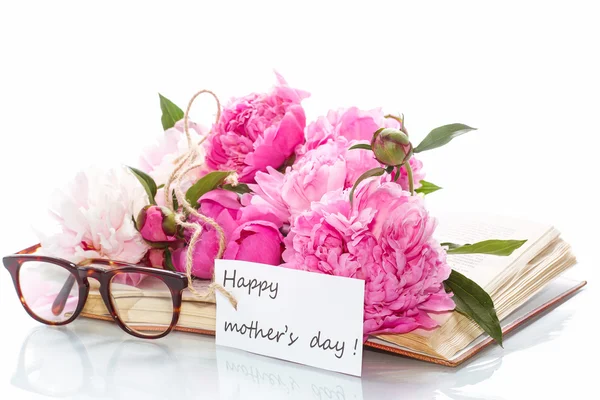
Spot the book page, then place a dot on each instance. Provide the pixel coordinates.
(553, 292)
(471, 228)
(154, 288)
(149, 302)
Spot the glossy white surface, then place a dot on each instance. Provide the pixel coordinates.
(95, 359)
(78, 86)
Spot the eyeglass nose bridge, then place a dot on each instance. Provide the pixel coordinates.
(97, 273)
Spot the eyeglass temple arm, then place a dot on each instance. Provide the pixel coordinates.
(61, 299)
(30, 249)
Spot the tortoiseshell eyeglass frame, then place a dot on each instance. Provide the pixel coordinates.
(79, 273)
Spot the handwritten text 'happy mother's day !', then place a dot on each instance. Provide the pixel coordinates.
(282, 334)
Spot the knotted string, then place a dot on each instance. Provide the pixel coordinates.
(185, 164)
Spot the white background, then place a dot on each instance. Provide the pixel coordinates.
(79, 83)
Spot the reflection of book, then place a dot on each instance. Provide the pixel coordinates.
(521, 285)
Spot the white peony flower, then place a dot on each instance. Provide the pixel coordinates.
(159, 159)
(95, 218)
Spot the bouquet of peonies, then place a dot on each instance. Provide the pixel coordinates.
(342, 195)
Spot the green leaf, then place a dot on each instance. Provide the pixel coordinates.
(170, 112)
(168, 261)
(494, 247)
(158, 245)
(442, 135)
(204, 185)
(427, 187)
(287, 163)
(241, 188)
(472, 301)
(450, 245)
(370, 173)
(361, 146)
(175, 202)
(147, 182)
(398, 173)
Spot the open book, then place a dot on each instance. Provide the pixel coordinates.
(521, 286)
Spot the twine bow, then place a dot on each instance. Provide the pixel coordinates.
(183, 165)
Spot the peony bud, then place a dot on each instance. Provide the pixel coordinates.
(157, 224)
(156, 258)
(391, 146)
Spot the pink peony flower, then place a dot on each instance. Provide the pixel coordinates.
(385, 239)
(410, 266)
(258, 131)
(95, 218)
(251, 233)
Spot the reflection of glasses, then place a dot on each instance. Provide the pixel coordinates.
(98, 367)
(54, 291)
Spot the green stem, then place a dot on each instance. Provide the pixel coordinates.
(399, 119)
(411, 185)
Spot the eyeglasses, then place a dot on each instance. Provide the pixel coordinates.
(54, 291)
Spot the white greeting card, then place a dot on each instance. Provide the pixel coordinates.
(308, 318)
